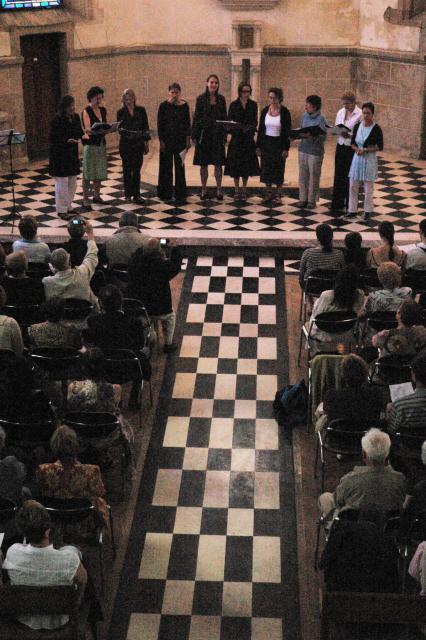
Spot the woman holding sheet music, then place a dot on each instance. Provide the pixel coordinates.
(94, 150)
(174, 133)
(241, 161)
(209, 135)
(134, 136)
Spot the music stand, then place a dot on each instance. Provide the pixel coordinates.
(8, 137)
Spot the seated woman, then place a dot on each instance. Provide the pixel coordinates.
(36, 563)
(10, 331)
(392, 295)
(12, 474)
(93, 393)
(53, 332)
(387, 251)
(20, 289)
(67, 478)
(35, 250)
(19, 400)
(356, 401)
(353, 253)
(325, 257)
(408, 338)
(344, 297)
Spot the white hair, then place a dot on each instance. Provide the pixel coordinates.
(376, 445)
(60, 259)
(2, 438)
(424, 452)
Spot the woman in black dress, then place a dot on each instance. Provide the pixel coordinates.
(133, 144)
(208, 136)
(273, 143)
(241, 161)
(174, 133)
(64, 164)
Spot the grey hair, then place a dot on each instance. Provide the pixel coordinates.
(128, 219)
(2, 438)
(376, 445)
(60, 259)
(424, 452)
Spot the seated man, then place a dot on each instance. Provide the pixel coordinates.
(35, 250)
(372, 487)
(74, 282)
(37, 563)
(410, 412)
(124, 242)
(357, 401)
(416, 259)
(19, 288)
(150, 273)
(77, 244)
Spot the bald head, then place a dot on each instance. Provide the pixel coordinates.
(152, 247)
(60, 260)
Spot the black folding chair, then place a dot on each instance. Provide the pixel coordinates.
(369, 281)
(77, 309)
(391, 369)
(38, 270)
(333, 322)
(75, 511)
(121, 273)
(416, 280)
(382, 320)
(28, 434)
(24, 314)
(123, 366)
(134, 308)
(317, 282)
(59, 363)
(339, 437)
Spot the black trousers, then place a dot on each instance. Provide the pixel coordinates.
(165, 176)
(132, 164)
(342, 164)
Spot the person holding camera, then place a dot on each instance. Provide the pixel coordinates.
(150, 272)
(64, 163)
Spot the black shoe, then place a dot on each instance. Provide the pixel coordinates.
(350, 216)
(139, 200)
(65, 216)
(367, 215)
(219, 196)
(204, 196)
(98, 200)
(169, 348)
(87, 206)
(179, 202)
(128, 198)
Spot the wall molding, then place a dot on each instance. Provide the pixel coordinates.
(249, 5)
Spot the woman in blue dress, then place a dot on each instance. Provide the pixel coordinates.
(367, 139)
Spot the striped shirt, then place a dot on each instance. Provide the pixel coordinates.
(316, 259)
(408, 412)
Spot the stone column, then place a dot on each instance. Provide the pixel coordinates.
(236, 76)
(255, 82)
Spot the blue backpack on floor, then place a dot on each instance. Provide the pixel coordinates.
(291, 405)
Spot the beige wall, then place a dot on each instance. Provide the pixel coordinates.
(375, 32)
(295, 22)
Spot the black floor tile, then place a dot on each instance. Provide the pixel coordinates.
(235, 629)
(268, 460)
(193, 328)
(266, 367)
(246, 387)
(250, 285)
(207, 599)
(241, 490)
(229, 329)
(186, 365)
(235, 272)
(239, 559)
(267, 522)
(268, 601)
(209, 347)
(244, 434)
(251, 261)
(183, 557)
(198, 432)
(217, 284)
(219, 459)
(192, 489)
(214, 521)
(204, 385)
(264, 409)
(247, 348)
(161, 519)
(180, 407)
(214, 313)
(249, 314)
(227, 365)
(198, 298)
(171, 457)
(147, 596)
(233, 298)
(223, 408)
(174, 627)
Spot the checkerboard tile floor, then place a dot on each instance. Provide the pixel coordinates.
(400, 197)
(211, 565)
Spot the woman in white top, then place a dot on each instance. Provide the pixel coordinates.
(349, 116)
(273, 143)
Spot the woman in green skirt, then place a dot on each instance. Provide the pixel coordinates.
(94, 150)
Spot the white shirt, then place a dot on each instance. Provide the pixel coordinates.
(35, 250)
(74, 283)
(273, 125)
(416, 259)
(351, 121)
(42, 567)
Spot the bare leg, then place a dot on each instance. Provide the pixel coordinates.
(204, 174)
(97, 188)
(244, 189)
(237, 192)
(218, 177)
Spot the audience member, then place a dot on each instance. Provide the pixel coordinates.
(344, 297)
(54, 332)
(416, 258)
(74, 282)
(392, 295)
(375, 486)
(150, 273)
(12, 474)
(112, 329)
(10, 332)
(19, 399)
(408, 338)
(76, 246)
(37, 563)
(93, 393)
(409, 412)
(320, 258)
(35, 250)
(67, 478)
(387, 251)
(19, 288)
(357, 401)
(121, 246)
(354, 254)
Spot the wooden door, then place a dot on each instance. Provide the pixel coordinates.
(41, 88)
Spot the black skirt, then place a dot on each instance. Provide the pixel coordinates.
(211, 148)
(272, 162)
(242, 161)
